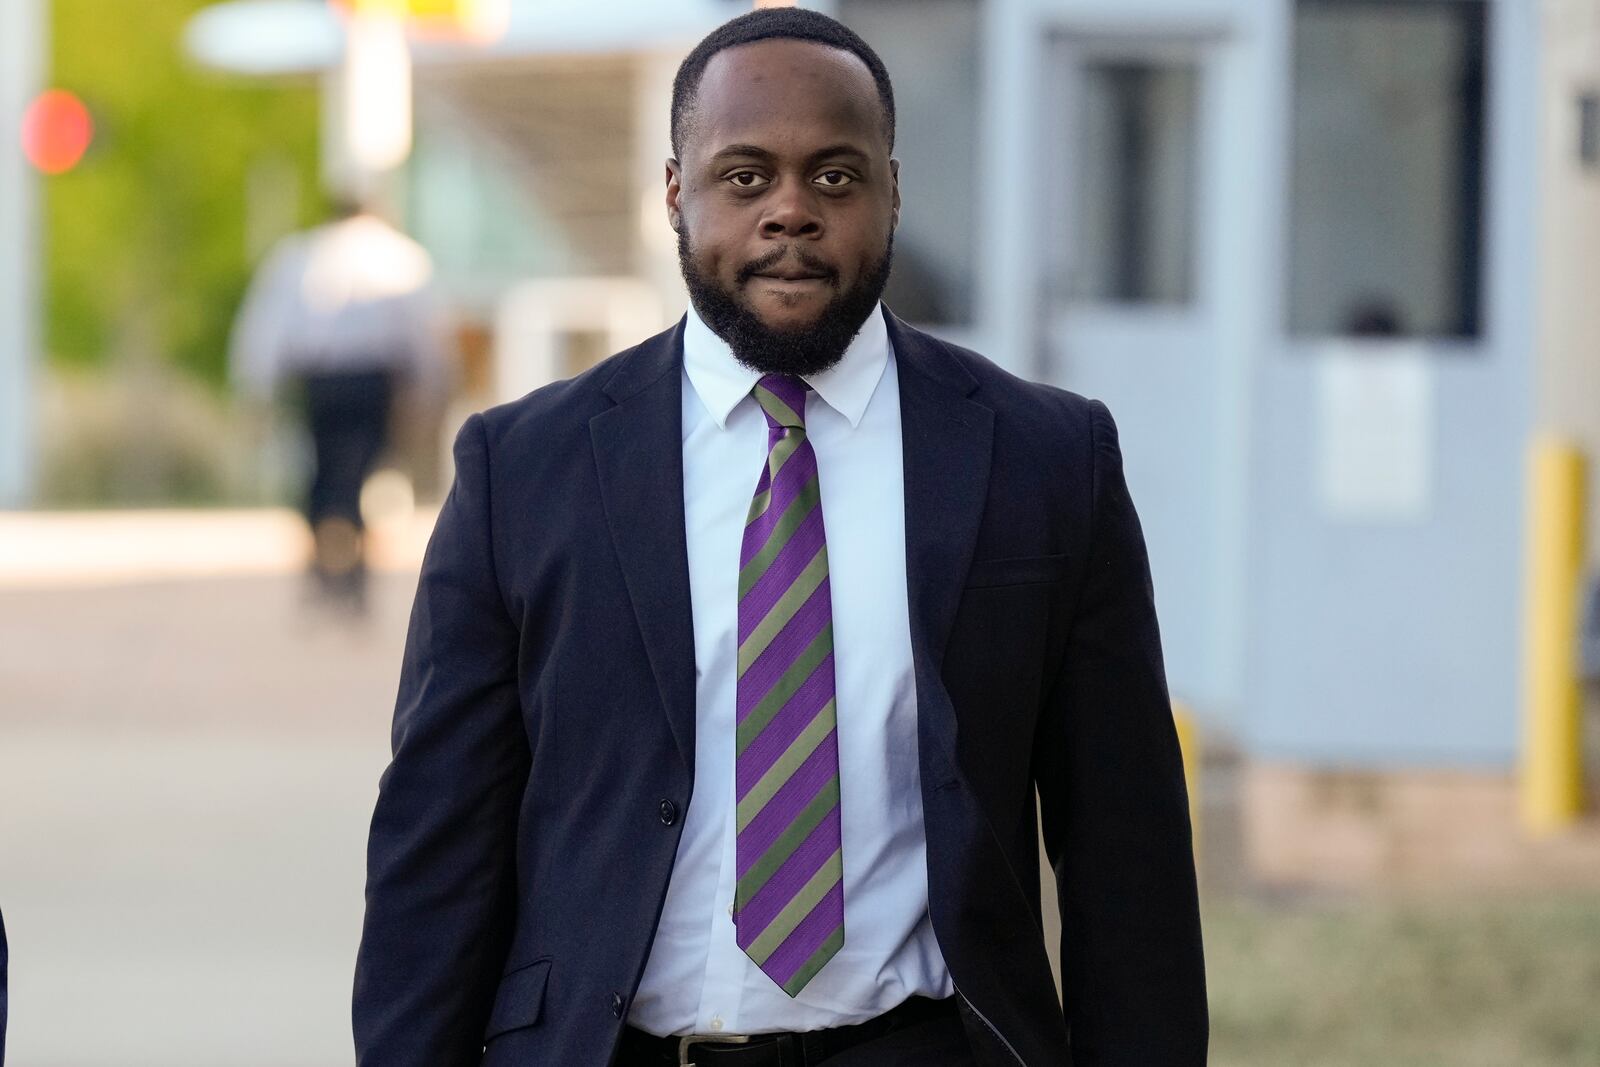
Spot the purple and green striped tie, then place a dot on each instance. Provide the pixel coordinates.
(789, 899)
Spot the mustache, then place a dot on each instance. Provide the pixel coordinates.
(807, 260)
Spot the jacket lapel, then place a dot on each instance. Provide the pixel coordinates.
(638, 452)
(947, 441)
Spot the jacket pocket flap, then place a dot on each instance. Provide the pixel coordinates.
(1016, 570)
(520, 1000)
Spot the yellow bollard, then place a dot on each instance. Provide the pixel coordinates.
(1552, 754)
(1189, 742)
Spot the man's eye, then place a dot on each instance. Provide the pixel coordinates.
(747, 179)
(834, 179)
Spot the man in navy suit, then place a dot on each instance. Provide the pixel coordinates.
(741, 664)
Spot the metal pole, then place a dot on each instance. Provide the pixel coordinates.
(1552, 748)
(22, 59)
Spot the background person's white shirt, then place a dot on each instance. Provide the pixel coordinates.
(350, 295)
(697, 978)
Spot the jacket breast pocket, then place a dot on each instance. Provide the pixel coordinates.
(520, 1000)
(1016, 570)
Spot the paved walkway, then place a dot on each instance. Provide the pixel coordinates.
(188, 761)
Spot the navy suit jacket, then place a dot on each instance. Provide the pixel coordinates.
(3, 954)
(543, 739)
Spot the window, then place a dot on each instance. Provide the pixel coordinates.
(1387, 174)
(1589, 130)
(931, 50)
(1133, 210)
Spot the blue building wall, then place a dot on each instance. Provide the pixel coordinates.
(1308, 636)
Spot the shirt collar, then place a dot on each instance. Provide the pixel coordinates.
(722, 381)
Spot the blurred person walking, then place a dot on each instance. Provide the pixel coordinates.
(342, 319)
(684, 771)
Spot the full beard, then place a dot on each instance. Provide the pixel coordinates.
(809, 350)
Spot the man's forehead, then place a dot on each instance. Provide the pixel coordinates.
(782, 85)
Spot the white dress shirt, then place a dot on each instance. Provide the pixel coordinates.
(697, 979)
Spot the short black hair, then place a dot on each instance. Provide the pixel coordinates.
(765, 24)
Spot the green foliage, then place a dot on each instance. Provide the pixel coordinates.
(145, 241)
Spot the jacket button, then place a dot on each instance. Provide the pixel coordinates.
(669, 813)
(616, 1004)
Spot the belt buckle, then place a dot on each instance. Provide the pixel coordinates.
(706, 1039)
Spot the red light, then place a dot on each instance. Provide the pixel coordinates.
(56, 130)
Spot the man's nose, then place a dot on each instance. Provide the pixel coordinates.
(792, 212)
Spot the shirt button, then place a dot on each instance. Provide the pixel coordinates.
(716, 1024)
(617, 1004)
(669, 813)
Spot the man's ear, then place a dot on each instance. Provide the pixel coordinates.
(894, 175)
(674, 190)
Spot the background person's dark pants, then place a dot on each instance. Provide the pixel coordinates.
(347, 413)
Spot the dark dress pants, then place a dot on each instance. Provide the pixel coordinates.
(934, 1043)
(347, 413)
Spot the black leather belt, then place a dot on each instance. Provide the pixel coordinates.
(807, 1049)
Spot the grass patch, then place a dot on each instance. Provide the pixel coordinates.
(1437, 983)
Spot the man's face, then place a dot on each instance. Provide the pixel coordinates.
(785, 202)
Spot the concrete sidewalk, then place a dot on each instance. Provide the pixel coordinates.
(182, 901)
(188, 761)
(53, 550)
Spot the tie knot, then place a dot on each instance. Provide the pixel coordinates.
(783, 398)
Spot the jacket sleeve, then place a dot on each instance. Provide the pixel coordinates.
(2, 990)
(1114, 807)
(441, 870)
